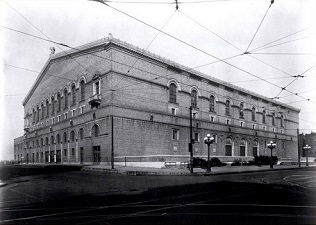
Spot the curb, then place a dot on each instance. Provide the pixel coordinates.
(159, 173)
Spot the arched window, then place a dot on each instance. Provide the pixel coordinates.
(58, 138)
(282, 120)
(65, 99)
(73, 92)
(34, 116)
(47, 108)
(172, 93)
(65, 137)
(228, 146)
(82, 90)
(46, 141)
(194, 99)
(38, 114)
(241, 110)
(212, 103)
(264, 116)
(227, 107)
(273, 119)
(52, 140)
(72, 136)
(53, 105)
(43, 111)
(37, 143)
(58, 102)
(42, 142)
(255, 148)
(253, 114)
(81, 134)
(242, 147)
(95, 131)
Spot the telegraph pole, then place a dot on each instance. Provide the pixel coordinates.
(298, 148)
(190, 144)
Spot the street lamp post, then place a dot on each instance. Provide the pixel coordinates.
(306, 148)
(208, 140)
(271, 145)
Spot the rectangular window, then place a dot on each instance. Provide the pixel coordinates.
(196, 136)
(65, 152)
(81, 109)
(96, 88)
(283, 145)
(73, 152)
(175, 134)
(73, 112)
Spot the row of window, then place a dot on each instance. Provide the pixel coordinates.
(95, 132)
(194, 97)
(45, 110)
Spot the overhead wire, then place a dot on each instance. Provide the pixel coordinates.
(165, 24)
(67, 46)
(298, 39)
(272, 1)
(278, 39)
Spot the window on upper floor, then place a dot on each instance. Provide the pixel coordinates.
(73, 93)
(194, 99)
(47, 108)
(42, 111)
(282, 120)
(34, 115)
(52, 140)
(96, 88)
(253, 114)
(38, 114)
(53, 105)
(72, 136)
(227, 107)
(82, 90)
(196, 137)
(81, 134)
(273, 118)
(58, 139)
(95, 131)
(241, 110)
(58, 102)
(264, 116)
(175, 134)
(172, 93)
(65, 137)
(212, 103)
(65, 99)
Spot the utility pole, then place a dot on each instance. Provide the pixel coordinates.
(298, 148)
(112, 140)
(190, 144)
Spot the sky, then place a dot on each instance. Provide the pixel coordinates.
(196, 35)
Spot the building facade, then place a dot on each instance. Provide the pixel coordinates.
(111, 100)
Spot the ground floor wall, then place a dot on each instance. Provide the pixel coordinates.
(148, 143)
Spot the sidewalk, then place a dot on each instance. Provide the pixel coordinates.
(138, 171)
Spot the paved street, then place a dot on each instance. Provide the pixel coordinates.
(85, 197)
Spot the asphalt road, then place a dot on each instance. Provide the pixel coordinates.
(83, 197)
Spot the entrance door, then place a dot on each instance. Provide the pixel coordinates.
(96, 155)
(58, 156)
(81, 155)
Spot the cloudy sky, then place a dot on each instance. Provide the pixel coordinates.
(208, 30)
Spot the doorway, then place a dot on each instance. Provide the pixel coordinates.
(96, 154)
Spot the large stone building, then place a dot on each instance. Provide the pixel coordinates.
(109, 97)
